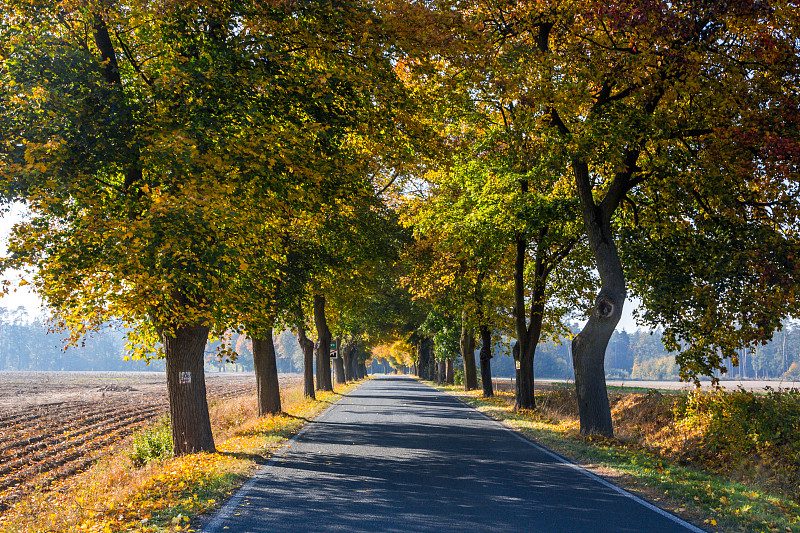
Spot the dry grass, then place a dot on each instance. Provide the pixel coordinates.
(648, 421)
(114, 496)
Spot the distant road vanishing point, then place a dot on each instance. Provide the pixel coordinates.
(396, 455)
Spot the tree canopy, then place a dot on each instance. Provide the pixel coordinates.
(402, 170)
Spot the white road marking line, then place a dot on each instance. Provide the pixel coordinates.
(227, 510)
(579, 468)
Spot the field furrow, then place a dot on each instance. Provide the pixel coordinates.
(48, 442)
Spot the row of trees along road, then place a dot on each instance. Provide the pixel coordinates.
(189, 168)
(653, 145)
(411, 175)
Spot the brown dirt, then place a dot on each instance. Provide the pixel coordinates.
(55, 424)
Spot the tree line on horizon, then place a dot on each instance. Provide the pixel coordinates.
(29, 345)
(415, 179)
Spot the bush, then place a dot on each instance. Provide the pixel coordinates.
(742, 423)
(152, 444)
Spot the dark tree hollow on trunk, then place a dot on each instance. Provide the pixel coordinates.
(467, 343)
(307, 348)
(186, 388)
(324, 343)
(267, 388)
(486, 361)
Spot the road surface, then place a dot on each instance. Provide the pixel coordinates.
(398, 456)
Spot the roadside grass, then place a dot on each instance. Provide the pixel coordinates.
(641, 459)
(167, 494)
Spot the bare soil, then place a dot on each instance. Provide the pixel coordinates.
(56, 424)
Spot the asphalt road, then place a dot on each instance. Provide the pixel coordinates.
(398, 456)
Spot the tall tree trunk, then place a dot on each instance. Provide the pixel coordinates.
(347, 353)
(266, 369)
(324, 339)
(318, 367)
(528, 334)
(450, 376)
(338, 363)
(307, 347)
(467, 343)
(589, 346)
(338, 366)
(355, 363)
(486, 361)
(186, 388)
(426, 360)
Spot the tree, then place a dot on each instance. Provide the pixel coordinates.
(659, 112)
(169, 121)
(500, 196)
(129, 222)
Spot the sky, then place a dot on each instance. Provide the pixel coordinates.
(23, 296)
(28, 299)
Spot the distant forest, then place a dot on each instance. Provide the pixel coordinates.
(25, 344)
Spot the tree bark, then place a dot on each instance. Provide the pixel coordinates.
(528, 334)
(318, 367)
(589, 346)
(486, 361)
(323, 348)
(267, 388)
(362, 370)
(307, 347)
(348, 360)
(450, 376)
(426, 360)
(338, 364)
(186, 388)
(467, 342)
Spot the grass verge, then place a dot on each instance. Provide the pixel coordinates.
(713, 502)
(169, 494)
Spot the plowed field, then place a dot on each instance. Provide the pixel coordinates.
(55, 424)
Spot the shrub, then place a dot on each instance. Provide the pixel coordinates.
(741, 423)
(152, 444)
